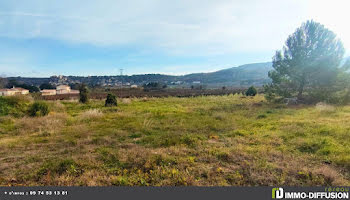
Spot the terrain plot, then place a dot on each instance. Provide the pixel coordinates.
(206, 141)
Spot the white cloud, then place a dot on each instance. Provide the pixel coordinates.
(185, 27)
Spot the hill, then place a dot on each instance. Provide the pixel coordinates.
(244, 75)
(249, 74)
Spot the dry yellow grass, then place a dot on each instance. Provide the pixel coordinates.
(91, 114)
(126, 100)
(323, 107)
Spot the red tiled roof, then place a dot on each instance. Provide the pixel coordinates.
(48, 90)
(13, 89)
(21, 89)
(3, 90)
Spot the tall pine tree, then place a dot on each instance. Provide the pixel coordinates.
(308, 64)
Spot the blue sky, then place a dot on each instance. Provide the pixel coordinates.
(43, 38)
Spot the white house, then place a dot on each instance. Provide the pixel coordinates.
(47, 92)
(6, 92)
(13, 91)
(61, 89)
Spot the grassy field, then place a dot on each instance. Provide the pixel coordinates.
(206, 141)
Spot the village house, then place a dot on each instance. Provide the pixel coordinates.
(13, 91)
(47, 92)
(61, 89)
(74, 92)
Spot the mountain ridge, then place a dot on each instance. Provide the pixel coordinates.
(243, 75)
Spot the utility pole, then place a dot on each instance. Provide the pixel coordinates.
(121, 78)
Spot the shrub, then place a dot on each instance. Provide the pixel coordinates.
(251, 91)
(83, 94)
(111, 100)
(39, 109)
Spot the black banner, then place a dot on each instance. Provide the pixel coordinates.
(180, 193)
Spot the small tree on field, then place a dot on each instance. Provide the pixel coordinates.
(251, 91)
(308, 65)
(83, 94)
(111, 100)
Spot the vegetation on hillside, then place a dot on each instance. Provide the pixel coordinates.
(47, 86)
(3, 82)
(13, 83)
(213, 140)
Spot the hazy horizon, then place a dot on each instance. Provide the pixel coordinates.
(81, 38)
(199, 72)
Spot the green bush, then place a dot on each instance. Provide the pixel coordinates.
(38, 109)
(251, 91)
(14, 105)
(111, 100)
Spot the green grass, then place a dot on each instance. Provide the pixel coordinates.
(15, 105)
(210, 141)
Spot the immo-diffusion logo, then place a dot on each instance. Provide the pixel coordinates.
(279, 193)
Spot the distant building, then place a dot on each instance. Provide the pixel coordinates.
(133, 86)
(48, 92)
(13, 91)
(196, 82)
(61, 89)
(74, 92)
